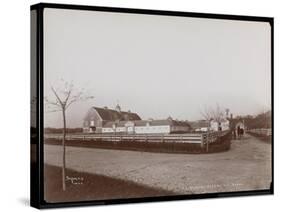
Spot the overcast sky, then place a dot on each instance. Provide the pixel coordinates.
(157, 66)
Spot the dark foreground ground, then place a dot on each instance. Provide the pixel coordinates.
(82, 187)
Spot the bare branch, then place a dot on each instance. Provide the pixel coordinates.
(209, 113)
(49, 102)
(78, 98)
(65, 96)
(68, 94)
(58, 98)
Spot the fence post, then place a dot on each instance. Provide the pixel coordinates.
(207, 140)
(202, 140)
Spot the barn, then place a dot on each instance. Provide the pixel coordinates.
(105, 120)
(97, 117)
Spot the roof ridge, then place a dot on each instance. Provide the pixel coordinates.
(113, 110)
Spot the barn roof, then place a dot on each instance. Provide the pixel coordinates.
(113, 115)
(199, 124)
(140, 123)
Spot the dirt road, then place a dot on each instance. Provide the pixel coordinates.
(246, 166)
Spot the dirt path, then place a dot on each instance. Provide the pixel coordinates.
(246, 166)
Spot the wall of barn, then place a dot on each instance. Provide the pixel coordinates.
(92, 122)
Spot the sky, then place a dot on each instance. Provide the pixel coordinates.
(156, 66)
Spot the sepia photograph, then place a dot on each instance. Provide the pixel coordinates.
(139, 105)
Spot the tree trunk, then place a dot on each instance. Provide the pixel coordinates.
(63, 151)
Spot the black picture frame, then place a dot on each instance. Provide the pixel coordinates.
(37, 95)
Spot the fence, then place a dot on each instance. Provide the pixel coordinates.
(262, 132)
(203, 139)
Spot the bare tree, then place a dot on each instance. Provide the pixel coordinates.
(218, 113)
(211, 113)
(63, 98)
(206, 113)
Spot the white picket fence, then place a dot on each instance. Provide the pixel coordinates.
(193, 138)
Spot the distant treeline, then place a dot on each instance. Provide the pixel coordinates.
(60, 130)
(262, 120)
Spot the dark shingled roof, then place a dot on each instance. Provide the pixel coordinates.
(151, 123)
(113, 115)
(199, 124)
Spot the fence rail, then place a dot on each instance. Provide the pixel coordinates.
(263, 131)
(193, 138)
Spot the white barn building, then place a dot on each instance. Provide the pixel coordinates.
(104, 120)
